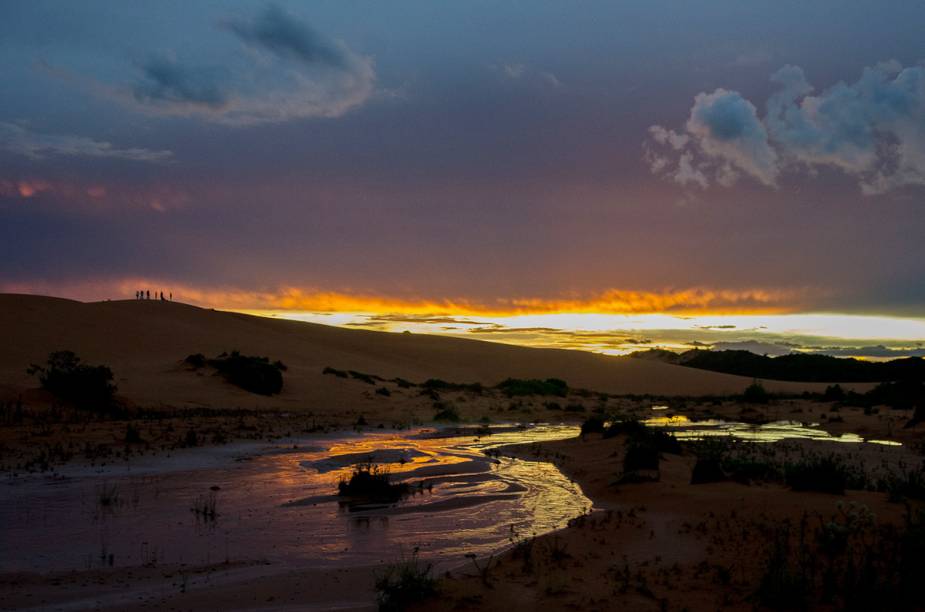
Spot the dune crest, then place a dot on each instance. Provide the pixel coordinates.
(145, 341)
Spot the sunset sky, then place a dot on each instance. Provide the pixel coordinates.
(597, 175)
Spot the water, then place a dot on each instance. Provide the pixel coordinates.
(685, 429)
(275, 504)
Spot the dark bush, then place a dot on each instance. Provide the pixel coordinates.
(132, 435)
(706, 470)
(446, 412)
(640, 457)
(436, 384)
(254, 374)
(637, 432)
(593, 424)
(823, 474)
(904, 394)
(755, 394)
(87, 387)
(833, 393)
(369, 379)
(195, 361)
(550, 386)
(383, 391)
(371, 483)
(334, 372)
(404, 583)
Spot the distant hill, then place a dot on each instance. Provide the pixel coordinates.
(796, 367)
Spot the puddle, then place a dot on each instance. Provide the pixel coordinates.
(278, 506)
(685, 429)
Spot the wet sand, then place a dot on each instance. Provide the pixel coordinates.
(277, 524)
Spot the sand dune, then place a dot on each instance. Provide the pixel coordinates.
(144, 341)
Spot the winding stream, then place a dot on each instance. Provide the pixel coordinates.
(275, 504)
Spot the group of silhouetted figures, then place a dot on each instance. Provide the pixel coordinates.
(146, 295)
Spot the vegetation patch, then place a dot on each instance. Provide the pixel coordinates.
(436, 384)
(87, 387)
(593, 424)
(371, 482)
(533, 386)
(796, 366)
(404, 583)
(822, 474)
(755, 393)
(254, 374)
(638, 433)
(848, 562)
(446, 412)
(369, 379)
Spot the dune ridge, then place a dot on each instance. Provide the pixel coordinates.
(145, 341)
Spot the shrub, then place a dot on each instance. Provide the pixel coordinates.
(195, 361)
(132, 435)
(550, 386)
(447, 412)
(706, 470)
(639, 433)
(369, 379)
(755, 393)
(833, 393)
(903, 394)
(404, 583)
(383, 391)
(823, 474)
(85, 386)
(640, 457)
(371, 482)
(593, 424)
(436, 384)
(254, 374)
(334, 372)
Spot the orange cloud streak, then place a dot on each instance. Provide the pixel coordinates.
(613, 301)
(694, 301)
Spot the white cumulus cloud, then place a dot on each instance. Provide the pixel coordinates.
(872, 130)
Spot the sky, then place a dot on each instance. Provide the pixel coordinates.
(381, 164)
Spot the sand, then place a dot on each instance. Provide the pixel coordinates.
(145, 341)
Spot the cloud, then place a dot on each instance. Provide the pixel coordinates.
(168, 82)
(727, 129)
(285, 70)
(872, 130)
(21, 141)
(521, 72)
(276, 31)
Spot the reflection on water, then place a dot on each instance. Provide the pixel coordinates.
(278, 506)
(682, 427)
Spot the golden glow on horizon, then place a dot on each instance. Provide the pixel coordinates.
(611, 322)
(620, 334)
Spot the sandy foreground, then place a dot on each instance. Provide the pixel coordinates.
(655, 545)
